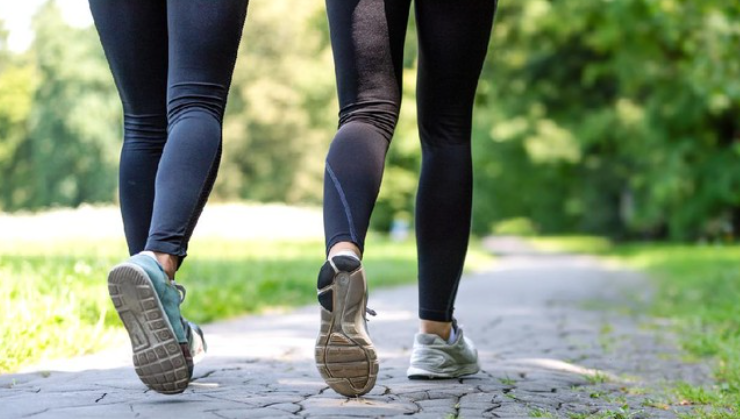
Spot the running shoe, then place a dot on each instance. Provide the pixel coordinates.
(165, 345)
(433, 357)
(345, 356)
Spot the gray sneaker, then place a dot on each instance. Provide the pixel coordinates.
(165, 345)
(345, 356)
(433, 357)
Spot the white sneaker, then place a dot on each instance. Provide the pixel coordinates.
(433, 357)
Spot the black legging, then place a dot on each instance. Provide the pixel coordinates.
(367, 38)
(172, 62)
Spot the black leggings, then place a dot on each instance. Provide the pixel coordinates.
(367, 38)
(172, 62)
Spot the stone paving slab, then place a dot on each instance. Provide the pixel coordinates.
(544, 353)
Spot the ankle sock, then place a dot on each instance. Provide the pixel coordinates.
(453, 335)
(150, 254)
(349, 253)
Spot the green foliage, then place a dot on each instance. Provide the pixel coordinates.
(16, 97)
(17, 84)
(617, 117)
(572, 244)
(282, 106)
(60, 115)
(518, 226)
(613, 117)
(60, 139)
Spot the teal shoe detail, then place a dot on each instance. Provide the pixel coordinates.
(170, 294)
(165, 346)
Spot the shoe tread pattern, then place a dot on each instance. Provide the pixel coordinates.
(157, 355)
(345, 356)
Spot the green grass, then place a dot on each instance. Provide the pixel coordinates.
(55, 303)
(620, 413)
(572, 244)
(698, 287)
(596, 378)
(507, 381)
(540, 413)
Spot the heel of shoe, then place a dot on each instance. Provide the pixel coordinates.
(345, 355)
(158, 359)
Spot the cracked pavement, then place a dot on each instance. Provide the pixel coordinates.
(551, 338)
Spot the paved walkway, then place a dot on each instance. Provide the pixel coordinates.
(544, 348)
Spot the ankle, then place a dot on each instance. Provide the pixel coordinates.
(169, 263)
(345, 248)
(441, 329)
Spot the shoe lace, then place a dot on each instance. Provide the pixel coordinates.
(371, 312)
(181, 290)
(185, 323)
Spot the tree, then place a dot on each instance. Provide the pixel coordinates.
(17, 85)
(282, 106)
(71, 130)
(613, 117)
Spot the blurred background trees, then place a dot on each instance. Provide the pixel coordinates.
(617, 117)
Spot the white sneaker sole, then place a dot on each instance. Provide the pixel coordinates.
(414, 373)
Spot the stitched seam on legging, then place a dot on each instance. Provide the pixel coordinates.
(453, 296)
(342, 198)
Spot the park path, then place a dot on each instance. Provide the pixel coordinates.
(551, 339)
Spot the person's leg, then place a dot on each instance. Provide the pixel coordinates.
(203, 41)
(134, 37)
(453, 40)
(164, 344)
(367, 40)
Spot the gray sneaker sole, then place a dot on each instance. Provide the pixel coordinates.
(158, 359)
(345, 356)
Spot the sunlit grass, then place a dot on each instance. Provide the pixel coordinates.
(697, 286)
(571, 244)
(52, 306)
(55, 302)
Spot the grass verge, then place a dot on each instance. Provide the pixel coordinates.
(698, 286)
(55, 301)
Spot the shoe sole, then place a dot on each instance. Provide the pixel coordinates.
(414, 373)
(158, 359)
(345, 356)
